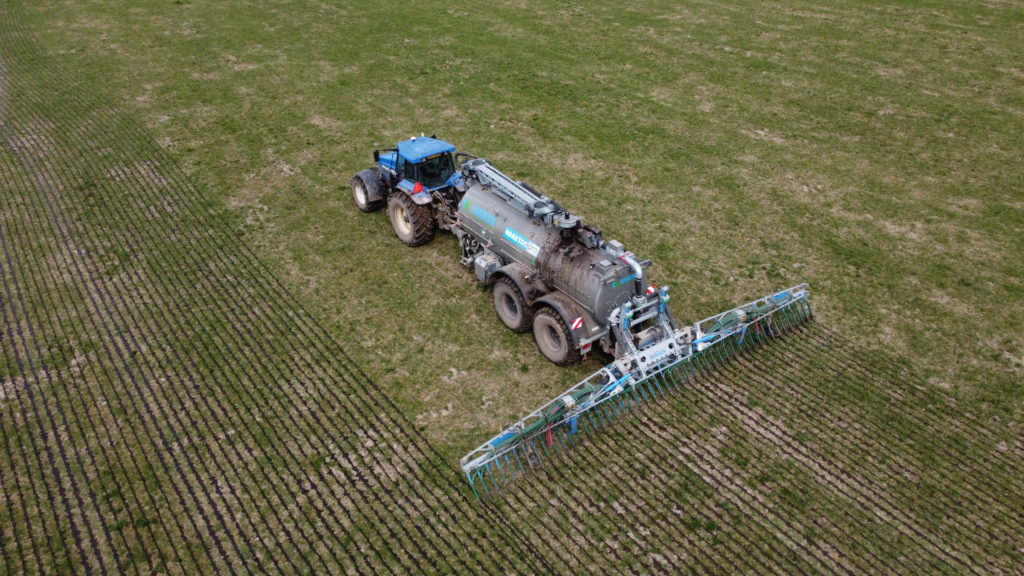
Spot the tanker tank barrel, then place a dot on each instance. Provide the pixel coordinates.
(520, 196)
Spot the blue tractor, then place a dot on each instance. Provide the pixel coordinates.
(417, 180)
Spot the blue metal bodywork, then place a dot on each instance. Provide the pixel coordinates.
(416, 150)
(389, 160)
(408, 185)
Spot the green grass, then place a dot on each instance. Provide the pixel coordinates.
(869, 149)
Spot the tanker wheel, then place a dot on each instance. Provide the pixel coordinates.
(553, 338)
(511, 306)
(413, 224)
(363, 184)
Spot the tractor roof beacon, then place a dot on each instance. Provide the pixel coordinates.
(559, 278)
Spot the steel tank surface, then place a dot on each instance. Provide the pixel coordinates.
(587, 275)
(590, 276)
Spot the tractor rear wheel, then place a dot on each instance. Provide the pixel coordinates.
(553, 338)
(511, 306)
(413, 224)
(366, 185)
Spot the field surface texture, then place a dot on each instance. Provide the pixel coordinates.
(212, 363)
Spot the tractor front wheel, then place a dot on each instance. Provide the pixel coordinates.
(366, 185)
(414, 224)
(553, 338)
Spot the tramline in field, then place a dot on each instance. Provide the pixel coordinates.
(557, 277)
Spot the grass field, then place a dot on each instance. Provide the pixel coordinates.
(870, 150)
(212, 362)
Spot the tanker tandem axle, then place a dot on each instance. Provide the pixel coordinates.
(550, 272)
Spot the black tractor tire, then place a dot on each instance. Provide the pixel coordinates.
(366, 185)
(413, 223)
(554, 339)
(511, 307)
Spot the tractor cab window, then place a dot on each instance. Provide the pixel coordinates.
(433, 171)
(407, 170)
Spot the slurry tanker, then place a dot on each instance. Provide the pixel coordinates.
(559, 278)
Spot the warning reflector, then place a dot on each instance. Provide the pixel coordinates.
(651, 289)
(577, 323)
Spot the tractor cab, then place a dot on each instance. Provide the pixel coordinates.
(420, 165)
(418, 182)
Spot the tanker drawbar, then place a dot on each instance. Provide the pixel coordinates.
(558, 278)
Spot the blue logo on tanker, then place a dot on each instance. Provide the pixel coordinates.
(484, 216)
(522, 242)
(479, 213)
(623, 281)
